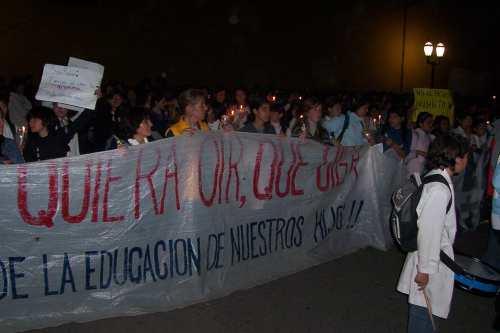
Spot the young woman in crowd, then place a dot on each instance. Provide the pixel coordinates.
(333, 107)
(441, 126)
(276, 119)
(241, 108)
(308, 125)
(193, 108)
(259, 119)
(421, 138)
(159, 113)
(464, 128)
(350, 132)
(219, 103)
(335, 122)
(109, 112)
(214, 123)
(43, 144)
(397, 136)
(135, 129)
(423, 276)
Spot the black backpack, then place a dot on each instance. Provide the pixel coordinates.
(404, 216)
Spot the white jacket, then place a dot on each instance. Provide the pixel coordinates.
(436, 231)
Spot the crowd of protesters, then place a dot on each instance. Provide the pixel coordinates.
(153, 110)
(127, 116)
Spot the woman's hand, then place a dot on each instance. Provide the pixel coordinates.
(422, 279)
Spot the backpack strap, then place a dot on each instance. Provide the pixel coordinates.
(437, 178)
(344, 127)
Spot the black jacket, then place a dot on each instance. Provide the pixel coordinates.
(250, 128)
(55, 144)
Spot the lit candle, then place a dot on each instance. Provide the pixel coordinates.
(303, 127)
(300, 98)
(274, 98)
(379, 119)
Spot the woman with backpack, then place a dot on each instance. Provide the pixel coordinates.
(424, 278)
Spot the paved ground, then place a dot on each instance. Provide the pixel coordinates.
(355, 293)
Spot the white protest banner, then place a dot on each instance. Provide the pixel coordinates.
(179, 221)
(69, 85)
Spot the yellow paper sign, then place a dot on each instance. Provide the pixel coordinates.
(435, 101)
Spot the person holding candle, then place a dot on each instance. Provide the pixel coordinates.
(354, 131)
(309, 123)
(219, 103)
(135, 129)
(396, 134)
(44, 144)
(240, 111)
(259, 118)
(193, 108)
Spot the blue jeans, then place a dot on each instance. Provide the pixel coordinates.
(419, 321)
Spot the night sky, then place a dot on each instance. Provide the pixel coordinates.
(324, 45)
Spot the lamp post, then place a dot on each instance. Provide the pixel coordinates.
(433, 58)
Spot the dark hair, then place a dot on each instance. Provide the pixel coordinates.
(423, 116)
(404, 123)
(332, 101)
(309, 104)
(445, 149)
(42, 113)
(359, 102)
(277, 108)
(132, 120)
(255, 103)
(438, 120)
(190, 97)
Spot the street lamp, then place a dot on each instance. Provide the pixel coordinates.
(433, 58)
